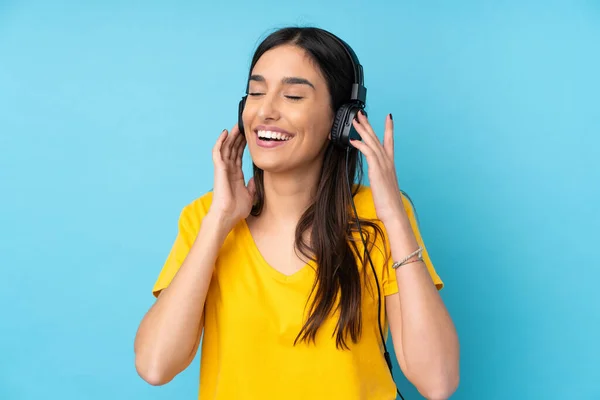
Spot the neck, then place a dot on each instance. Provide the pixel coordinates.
(288, 195)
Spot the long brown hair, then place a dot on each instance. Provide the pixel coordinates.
(330, 218)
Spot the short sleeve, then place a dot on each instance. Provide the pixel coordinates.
(188, 227)
(390, 285)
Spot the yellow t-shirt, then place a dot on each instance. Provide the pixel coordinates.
(253, 314)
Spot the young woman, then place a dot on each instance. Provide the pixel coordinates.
(274, 276)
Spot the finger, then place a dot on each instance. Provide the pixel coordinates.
(240, 141)
(366, 150)
(235, 141)
(216, 153)
(239, 150)
(368, 134)
(367, 137)
(228, 145)
(364, 121)
(388, 136)
(235, 129)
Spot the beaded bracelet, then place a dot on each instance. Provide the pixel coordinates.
(418, 252)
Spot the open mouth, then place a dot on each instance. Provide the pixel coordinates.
(271, 136)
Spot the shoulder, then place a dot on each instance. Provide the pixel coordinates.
(193, 212)
(199, 206)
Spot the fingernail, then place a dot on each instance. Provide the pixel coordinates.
(392, 118)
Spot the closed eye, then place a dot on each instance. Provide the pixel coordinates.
(293, 98)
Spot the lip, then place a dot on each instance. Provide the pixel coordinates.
(270, 144)
(272, 129)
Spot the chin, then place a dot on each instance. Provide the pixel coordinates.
(270, 164)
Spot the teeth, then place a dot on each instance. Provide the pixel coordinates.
(273, 135)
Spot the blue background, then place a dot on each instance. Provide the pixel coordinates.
(108, 112)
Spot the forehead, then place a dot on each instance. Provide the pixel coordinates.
(288, 61)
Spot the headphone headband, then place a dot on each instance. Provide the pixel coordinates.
(359, 92)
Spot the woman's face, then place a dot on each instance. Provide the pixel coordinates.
(288, 116)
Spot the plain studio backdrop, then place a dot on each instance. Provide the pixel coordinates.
(109, 111)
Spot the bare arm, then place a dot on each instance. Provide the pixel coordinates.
(168, 336)
(425, 340)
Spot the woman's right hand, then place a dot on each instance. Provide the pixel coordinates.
(232, 199)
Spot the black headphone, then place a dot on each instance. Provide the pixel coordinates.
(342, 129)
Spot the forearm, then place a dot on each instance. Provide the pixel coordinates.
(169, 333)
(429, 340)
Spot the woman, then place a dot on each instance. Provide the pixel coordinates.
(273, 275)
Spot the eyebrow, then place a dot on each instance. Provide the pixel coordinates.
(288, 80)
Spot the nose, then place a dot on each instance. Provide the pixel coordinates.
(269, 107)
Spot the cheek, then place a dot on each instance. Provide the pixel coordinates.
(319, 127)
(247, 117)
(313, 121)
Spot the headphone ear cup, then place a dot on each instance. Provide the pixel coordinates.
(335, 129)
(343, 130)
(241, 106)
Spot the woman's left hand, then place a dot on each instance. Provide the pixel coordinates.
(382, 171)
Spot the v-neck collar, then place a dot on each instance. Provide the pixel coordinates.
(275, 273)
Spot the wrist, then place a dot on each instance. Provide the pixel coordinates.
(217, 225)
(401, 237)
